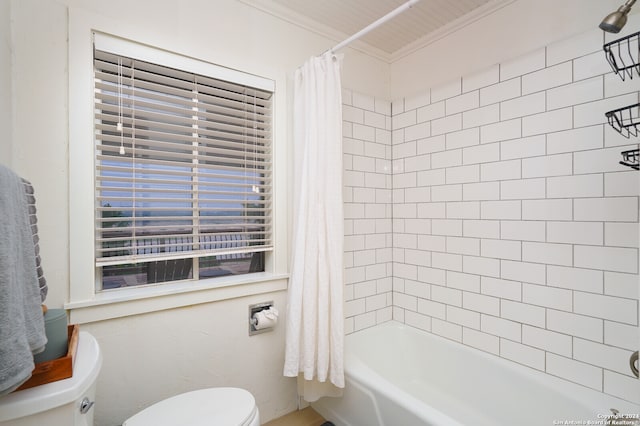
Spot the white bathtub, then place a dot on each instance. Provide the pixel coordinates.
(400, 376)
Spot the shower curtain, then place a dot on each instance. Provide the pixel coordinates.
(315, 321)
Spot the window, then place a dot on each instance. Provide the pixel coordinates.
(182, 173)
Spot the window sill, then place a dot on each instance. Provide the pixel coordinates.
(140, 300)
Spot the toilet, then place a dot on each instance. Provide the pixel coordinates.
(205, 407)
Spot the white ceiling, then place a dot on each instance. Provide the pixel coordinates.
(425, 22)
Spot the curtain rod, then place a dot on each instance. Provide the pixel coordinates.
(374, 25)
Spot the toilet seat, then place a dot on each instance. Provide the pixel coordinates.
(205, 407)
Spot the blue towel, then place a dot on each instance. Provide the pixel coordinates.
(22, 332)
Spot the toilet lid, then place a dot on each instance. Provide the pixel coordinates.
(206, 407)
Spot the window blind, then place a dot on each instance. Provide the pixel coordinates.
(183, 163)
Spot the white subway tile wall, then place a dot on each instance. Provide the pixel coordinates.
(368, 208)
(515, 230)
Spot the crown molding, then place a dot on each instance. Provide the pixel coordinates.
(277, 10)
(281, 12)
(450, 28)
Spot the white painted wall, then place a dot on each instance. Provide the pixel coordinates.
(518, 28)
(39, 147)
(154, 355)
(151, 357)
(5, 81)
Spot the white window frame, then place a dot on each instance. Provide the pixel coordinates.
(85, 303)
(196, 239)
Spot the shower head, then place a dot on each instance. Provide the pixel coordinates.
(614, 21)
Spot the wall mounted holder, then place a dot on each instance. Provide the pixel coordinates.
(253, 309)
(625, 120)
(630, 158)
(623, 55)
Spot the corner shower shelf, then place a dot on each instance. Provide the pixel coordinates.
(625, 120)
(623, 55)
(630, 158)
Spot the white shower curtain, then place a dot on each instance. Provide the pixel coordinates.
(315, 322)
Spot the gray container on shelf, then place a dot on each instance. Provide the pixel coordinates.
(55, 324)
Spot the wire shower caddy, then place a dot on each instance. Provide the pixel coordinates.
(623, 56)
(630, 159)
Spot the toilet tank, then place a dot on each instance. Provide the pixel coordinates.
(58, 403)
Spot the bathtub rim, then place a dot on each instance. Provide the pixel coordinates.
(594, 402)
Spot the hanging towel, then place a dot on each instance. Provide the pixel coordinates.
(33, 221)
(315, 321)
(22, 331)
